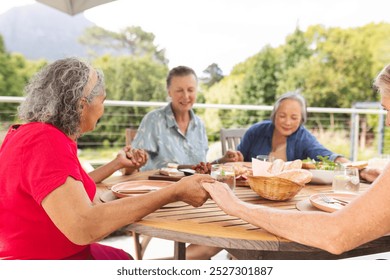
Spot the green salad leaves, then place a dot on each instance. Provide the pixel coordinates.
(323, 163)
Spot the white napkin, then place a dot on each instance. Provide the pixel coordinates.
(259, 167)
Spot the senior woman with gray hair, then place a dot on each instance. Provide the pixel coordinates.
(284, 136)
(366, 218)
(48, 207)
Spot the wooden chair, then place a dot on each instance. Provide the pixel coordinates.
(230, 138)
(130, 135)
(140, 241)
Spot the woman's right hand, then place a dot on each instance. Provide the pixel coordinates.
(190, 190)
(370, 174)
(222, 195)
(232, 156)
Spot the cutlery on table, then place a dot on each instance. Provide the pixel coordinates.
(332, 200)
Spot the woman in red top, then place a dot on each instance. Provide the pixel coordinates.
(47, 208)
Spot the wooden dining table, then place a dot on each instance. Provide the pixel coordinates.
(209, 225)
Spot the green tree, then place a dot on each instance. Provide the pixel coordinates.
(135, 70)
(212, 75)
(295, 49)
(261, 77)
(130, 41)
(15, 71)
(224, 92)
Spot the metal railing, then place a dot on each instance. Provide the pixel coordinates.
(355, 115)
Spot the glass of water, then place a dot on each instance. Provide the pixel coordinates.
(346, 180)
(225, 174)
(265, 158)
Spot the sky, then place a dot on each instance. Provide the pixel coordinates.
(201, 32)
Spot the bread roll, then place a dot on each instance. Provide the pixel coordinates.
(308, 165)
(172, 172)
(296, 164)
(276, 167)
(358, 164)
(300, 176)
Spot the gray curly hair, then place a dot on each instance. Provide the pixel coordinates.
(294, 96)
(53, 95)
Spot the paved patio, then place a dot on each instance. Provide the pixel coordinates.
(157, 248)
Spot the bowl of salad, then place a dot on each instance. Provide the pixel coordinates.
(322, 170)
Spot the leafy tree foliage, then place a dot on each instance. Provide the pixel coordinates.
(213, 74)
(130, 41)
(136, 72)
(15, 71)
(331, 67)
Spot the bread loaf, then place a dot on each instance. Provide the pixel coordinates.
(358, 164)
(308, 165)
(276, 167)
(296, 164)
(300, 176)
(172, 172)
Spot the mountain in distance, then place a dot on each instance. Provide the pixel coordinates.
(38, 31)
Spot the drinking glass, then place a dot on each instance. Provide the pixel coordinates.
(225, 174)
(265, 158)
(346, 180)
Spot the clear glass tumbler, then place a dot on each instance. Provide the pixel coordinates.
(265, 158)
(346, 180)
(225, 174)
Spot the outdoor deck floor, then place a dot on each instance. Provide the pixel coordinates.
(160, 248)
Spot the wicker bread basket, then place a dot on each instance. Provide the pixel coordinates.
(274, 188)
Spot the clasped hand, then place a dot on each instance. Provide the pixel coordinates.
(232, 156)
(133, 158)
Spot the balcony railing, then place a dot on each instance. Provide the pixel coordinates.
(354, 129)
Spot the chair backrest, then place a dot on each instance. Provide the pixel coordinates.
(230, 138)
(130, 135)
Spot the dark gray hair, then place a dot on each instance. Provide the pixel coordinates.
(180, 71)
(53, 95)
(382, 81)
(294, 96)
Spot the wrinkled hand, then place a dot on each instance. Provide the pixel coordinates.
(190, 189)
(232, 156)
(133, 158)
(222, 195)
(203, 168)
(370, 174)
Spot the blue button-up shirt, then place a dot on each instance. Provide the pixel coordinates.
(160, 136)
(300, 145)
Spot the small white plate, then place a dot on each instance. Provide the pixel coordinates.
(319, 203)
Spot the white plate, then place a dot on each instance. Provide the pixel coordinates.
(324, 177)
(319, 203)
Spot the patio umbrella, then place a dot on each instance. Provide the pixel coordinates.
(73, 7)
